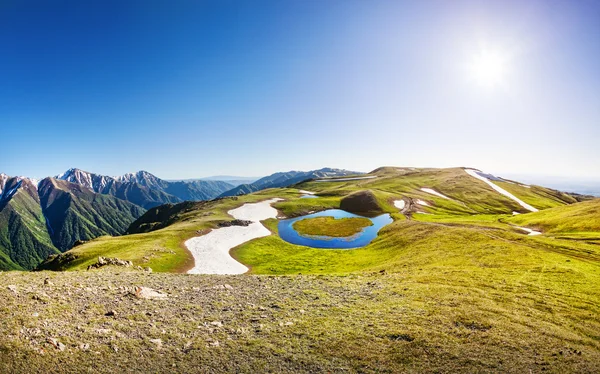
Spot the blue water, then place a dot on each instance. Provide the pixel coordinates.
(309, 197)
(287, 232)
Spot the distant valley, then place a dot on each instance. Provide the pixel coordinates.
(40, 218)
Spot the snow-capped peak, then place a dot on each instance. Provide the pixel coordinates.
(141, 177)
(3, 179)
(65, 175)
(94, 182)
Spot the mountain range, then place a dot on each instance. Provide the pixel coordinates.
(40, 218)
(284, 179)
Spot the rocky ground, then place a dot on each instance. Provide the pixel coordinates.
(121, 320)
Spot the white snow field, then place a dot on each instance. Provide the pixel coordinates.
(306, 192)
(434, 192)
(529, 232)
(211, 251)
(475, 174)
(400, 204)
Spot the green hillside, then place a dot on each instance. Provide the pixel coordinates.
(469, 203)
(577, 219)
(458, 289)
(75, 213)
(24, 240)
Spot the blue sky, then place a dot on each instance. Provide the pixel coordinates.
(187, 89)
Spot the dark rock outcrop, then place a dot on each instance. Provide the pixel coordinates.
(363, 202)
(235, 222)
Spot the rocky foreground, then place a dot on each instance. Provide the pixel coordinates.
(120, 320)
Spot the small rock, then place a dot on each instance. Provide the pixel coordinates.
(42, 297)
(157, 342)
(36, 314)
(111, 313)
(148, 293)
(84, 347)
(56, 344)
(148, 269)
(217, 324)
(47, 282)
(214, 343)
(13, 288)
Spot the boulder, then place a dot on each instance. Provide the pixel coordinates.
(148, 293)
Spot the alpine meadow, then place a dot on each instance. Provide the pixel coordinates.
(333, 187)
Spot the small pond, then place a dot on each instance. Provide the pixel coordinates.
(290, 235)
(309, 197)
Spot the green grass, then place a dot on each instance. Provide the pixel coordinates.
(575, 218)
(164, 250)
(330, 226)
(473, 203)
(533, 314)
(459, 290)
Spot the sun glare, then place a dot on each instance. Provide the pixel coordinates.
(489, 68)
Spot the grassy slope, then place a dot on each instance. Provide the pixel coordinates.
(163, 250)
(581, 217)
(468, 195)
(329, 226)
(490, 307)
(460, 292)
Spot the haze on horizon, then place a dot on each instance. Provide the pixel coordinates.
(192, 89)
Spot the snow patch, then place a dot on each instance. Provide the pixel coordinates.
(306, 192)
(211, 251)
(476, 174)
(422, 202)
(434, 192)
(529, 232)
(400, 204)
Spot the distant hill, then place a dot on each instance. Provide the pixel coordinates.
(284, 179)
(231, 179)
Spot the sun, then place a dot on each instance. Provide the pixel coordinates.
(489, 68)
